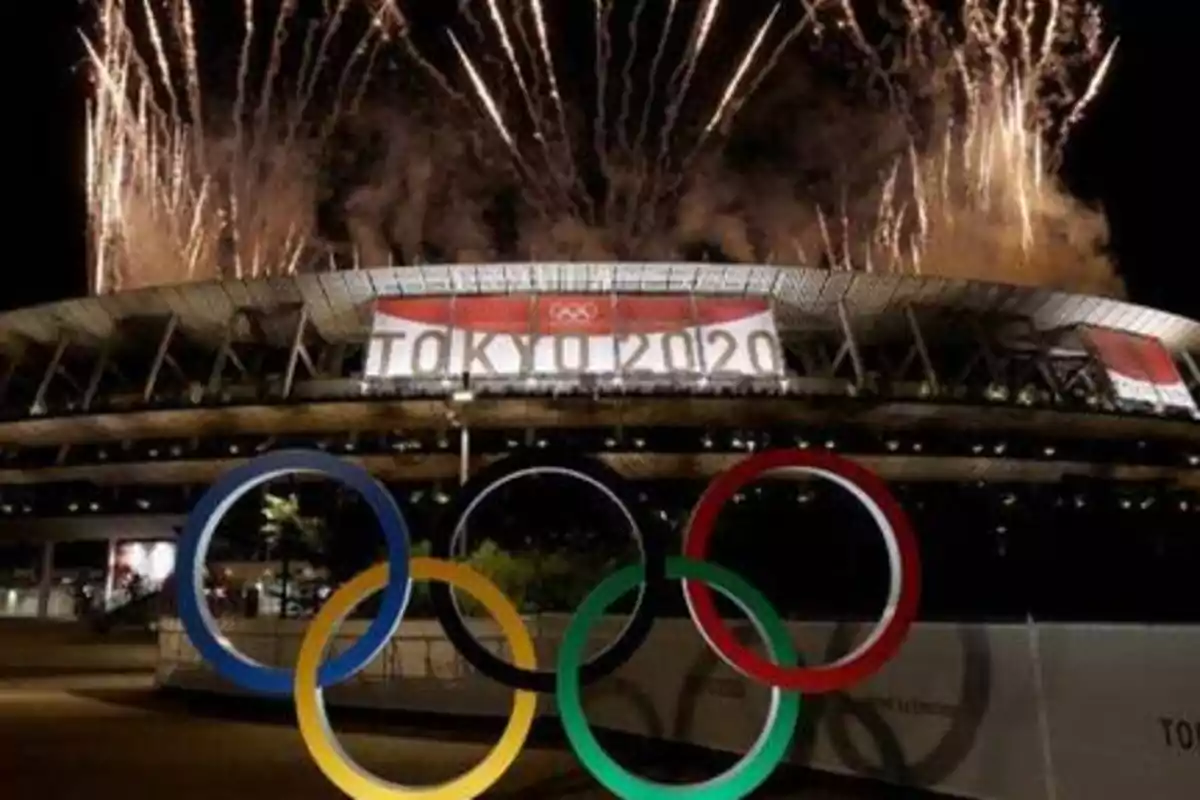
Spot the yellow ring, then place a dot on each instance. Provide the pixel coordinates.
(310, 703)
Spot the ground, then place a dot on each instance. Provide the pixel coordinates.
(80, 718)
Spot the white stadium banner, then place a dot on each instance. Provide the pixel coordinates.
(549, 335)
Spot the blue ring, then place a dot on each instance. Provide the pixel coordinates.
(197, 533)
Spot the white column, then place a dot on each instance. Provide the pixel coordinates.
(464, 454)
(46, 581)
(110, 573)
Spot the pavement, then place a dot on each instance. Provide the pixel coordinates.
(80, 718)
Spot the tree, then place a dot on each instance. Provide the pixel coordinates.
(289, 536)
(512, 574)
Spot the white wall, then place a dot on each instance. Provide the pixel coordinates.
(23, 602)
(982, 712)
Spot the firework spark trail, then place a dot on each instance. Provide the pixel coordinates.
(262, 114)
(543, 35)
(530, 52)
(485, 96)
(169, 197)
(239, 130)
(627, 85)
(772, 61)
(736, 81)
(723, 105)
(562, 180)
(682, 77)
(393, 21)
(999, 152)
(643, 173)
(603, 50)
(655, 66)
(315, 69)
(187, 30)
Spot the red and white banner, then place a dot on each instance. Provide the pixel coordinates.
(577, 334)
(1140, 368)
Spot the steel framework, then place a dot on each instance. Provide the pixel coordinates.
(303, 338)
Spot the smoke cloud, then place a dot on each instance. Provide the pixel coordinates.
(935, 153)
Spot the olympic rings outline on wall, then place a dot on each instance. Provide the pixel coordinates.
(782, 676)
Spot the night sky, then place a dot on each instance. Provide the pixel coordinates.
(1136, 156)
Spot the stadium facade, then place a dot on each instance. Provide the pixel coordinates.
(1046, 444)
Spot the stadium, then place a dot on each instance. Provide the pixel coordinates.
(1045, 445)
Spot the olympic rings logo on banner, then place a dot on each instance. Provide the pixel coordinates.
(782, 671)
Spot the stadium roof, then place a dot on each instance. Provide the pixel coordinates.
(338, 303)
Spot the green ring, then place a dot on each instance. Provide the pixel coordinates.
(773, 743)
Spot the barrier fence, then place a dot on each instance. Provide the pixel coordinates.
(997, 712)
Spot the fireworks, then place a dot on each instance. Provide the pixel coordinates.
(902, 141)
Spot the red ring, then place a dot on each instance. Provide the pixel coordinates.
(889, 633)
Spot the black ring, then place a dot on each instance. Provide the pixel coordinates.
(641, 621)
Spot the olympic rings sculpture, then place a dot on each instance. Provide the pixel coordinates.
(782, 671)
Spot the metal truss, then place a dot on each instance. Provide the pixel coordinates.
(262, 355)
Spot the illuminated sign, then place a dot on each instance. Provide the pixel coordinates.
(1139, 368)
(574, 334)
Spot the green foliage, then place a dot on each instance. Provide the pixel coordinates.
(288, 534)
(511, 573)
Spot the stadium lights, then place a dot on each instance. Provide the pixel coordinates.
(892, 445)
(463, 396)
(1194, 460)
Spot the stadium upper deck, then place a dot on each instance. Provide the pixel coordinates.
(272, 356)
